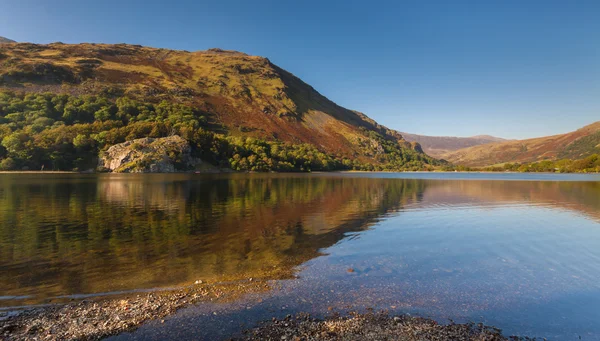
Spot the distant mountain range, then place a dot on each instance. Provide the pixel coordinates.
(437, 146)
(574, 145)
(6, 40)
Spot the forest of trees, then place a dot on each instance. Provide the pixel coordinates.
(64, 132)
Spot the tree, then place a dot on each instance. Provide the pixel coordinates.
(8, 164)
(105, 113)
(82, 142)
(15, 144)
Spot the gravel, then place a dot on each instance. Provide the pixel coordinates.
(102, 317)
(95, 319)
(371, 326)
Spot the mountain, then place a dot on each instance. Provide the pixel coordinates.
(437, 146)
(574, 145)
(227, 93)
(6, 40)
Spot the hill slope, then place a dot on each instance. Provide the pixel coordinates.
(437, 146)
(574, 145)
(236, 94)
(5, 40)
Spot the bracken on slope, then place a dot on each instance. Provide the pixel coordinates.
(240, 95)
(574, 145)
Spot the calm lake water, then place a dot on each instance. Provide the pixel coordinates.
(518, 251)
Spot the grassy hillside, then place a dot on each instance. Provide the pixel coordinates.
(578, 144)
(127, 91)
(437, 146)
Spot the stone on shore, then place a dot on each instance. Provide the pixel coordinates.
(150, 155)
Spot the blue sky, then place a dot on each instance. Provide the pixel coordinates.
(513, 69)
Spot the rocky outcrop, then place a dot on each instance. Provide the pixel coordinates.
(416, 146)
(149, 155)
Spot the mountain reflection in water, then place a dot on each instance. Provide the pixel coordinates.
(68, 234)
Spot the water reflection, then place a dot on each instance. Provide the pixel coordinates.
(67, 235)
(79, 234)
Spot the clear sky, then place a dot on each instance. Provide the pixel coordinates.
(513, 69)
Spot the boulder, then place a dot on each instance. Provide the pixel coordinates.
(149, 155)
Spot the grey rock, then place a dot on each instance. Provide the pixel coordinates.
(149, 155)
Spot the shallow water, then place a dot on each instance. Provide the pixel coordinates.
(518, 251)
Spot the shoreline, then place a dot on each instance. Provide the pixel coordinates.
(103, 317)
(315, 172)
(42, 172)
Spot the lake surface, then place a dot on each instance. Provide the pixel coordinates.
(518, 251)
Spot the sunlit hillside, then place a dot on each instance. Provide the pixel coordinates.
(222, 92)
(574, 145)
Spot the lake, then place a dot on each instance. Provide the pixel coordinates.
(518, 251)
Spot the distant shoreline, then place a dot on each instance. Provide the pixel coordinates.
(315, 172)
(42, 172)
